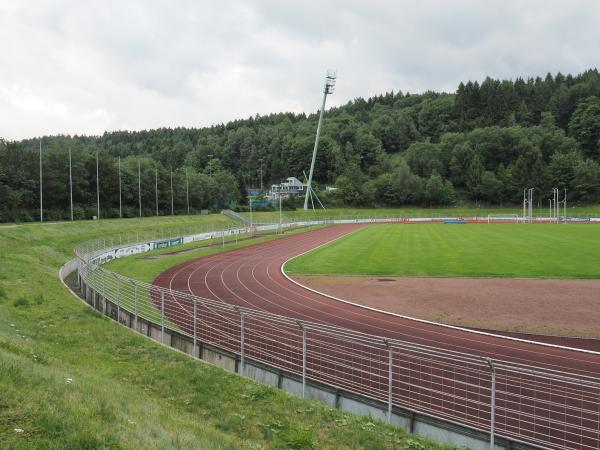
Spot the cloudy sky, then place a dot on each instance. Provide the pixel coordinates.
(89, 66)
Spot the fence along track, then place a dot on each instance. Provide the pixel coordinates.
(520, 402)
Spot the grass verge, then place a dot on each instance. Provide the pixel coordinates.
(71, 378)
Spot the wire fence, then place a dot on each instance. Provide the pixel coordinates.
(524, 403)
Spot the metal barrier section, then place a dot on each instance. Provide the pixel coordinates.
(528, 404)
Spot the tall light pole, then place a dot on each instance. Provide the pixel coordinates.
(71, 183)
(120, 208)
(156, 189)
(41, 194)
(187, 191)
(140, 187)
(280, 216)
(327, 89)
(530, 191)
(97, 187)
(172, 210)
(261, 175)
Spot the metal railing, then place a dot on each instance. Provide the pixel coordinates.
(523, 403)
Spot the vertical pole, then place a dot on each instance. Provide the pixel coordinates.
(492, 403)
(261, 175)
(41, 191)
(139, 188)
(565, 205)
(195, 321)
(314, 156)
(156, 188)
(251, 221)
(187, 192)
(303, 358)
(135, 313)
(280, 221)
(118, 300)
(120, 209)
(97, 187)
(162, 316)
(223, 239)
(70, 183)
(390, 379)
(242, 360)
(172, 210)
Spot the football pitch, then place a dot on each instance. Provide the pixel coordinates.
(494, 250)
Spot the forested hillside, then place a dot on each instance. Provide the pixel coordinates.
(483, 144)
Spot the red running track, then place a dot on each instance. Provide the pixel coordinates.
(251, 277)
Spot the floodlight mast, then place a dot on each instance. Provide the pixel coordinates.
(330, 78)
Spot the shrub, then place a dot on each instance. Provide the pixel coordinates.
(21, 302)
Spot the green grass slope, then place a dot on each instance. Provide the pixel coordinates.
(496, 250)
(71, 378)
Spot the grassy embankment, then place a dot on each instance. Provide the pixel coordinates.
(495, 250)
(71, 378)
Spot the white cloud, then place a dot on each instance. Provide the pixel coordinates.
(85, 67)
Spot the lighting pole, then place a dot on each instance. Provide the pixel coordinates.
(41, 194)
(70, 183)
(120, 208)
(156, 189)
(327, 89)
(556, 203)
(530, 192)
(251, 221)
(280, 216)
(172, 211)
(565, 205)
(261, 174)
(97, 187)
(524, 204)
(140, 187)
(187, 191)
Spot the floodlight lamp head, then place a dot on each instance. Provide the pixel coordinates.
(330, 78)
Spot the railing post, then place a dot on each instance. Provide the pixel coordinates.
(162, 316)
(135, 313)
(195, 336)
(242, 356)
(303, 358)
(390, 379)
(492, 403)
(118, 299)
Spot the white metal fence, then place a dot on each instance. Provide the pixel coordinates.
(524, 403)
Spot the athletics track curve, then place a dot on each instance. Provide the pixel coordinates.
(251, 277)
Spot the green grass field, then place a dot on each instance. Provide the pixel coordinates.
(497, 250)
(126, 391)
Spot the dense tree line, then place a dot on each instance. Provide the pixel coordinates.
(483, 144)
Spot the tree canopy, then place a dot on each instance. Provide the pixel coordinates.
(483, 143)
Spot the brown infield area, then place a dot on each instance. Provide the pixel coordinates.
(545, 307)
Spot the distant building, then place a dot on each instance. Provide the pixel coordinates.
(291, 186)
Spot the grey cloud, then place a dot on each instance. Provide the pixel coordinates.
(84, 67)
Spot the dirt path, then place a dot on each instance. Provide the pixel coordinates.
(549, 307)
